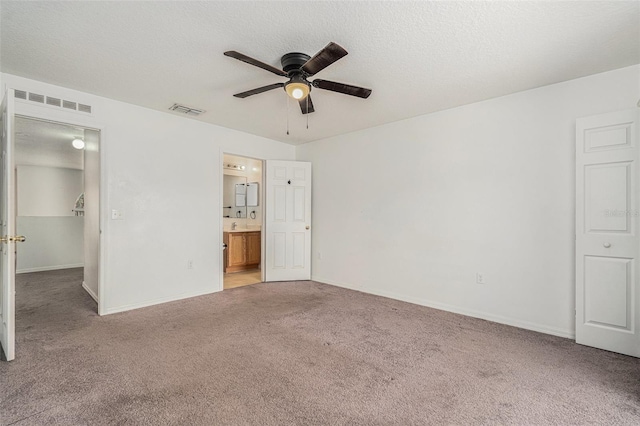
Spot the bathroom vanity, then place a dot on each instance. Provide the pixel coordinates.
(243, 250)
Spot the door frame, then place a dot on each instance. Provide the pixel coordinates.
(25, 110)
(221, 154)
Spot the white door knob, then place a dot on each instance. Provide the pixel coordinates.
(607, 245)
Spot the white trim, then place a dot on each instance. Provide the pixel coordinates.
(91, 293)
(221, 201)
(49, 268)
(157, 302)
(35, 111)
(554, 331)
(263, 249)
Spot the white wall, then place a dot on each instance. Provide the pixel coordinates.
(47, 191)
(163, 172)
(45, 199)
(53, 242)
(413, 209)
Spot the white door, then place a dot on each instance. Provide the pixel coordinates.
(7, 229)
(288, 221)
(607, 241)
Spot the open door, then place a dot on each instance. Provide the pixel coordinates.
(607, 232)
(7, 230)
(288, 221)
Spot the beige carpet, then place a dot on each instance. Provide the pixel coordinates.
(296, 353)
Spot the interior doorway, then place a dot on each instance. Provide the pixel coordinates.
(242, 219)
(57, 169)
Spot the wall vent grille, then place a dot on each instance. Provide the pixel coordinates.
(69, 105)
(186, 110)
(36, 98)
(53, 101)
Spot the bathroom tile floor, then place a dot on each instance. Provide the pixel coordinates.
(239, 279)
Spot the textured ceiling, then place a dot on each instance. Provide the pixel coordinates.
(418, 57)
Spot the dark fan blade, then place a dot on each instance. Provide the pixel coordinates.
(254, 62)
(304, 105)
(258, 90)
(347, 89)
(331, 53)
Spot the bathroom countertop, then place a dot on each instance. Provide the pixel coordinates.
(239, 229)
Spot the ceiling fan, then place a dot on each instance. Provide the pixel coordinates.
(298, 67)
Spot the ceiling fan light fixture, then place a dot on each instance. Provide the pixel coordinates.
(297, 90)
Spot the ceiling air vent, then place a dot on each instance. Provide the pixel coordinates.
(36, 98)
(21, 94)
(186, 110)
(84, 108)
(53, 101)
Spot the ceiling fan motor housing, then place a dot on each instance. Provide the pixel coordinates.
(292, 62)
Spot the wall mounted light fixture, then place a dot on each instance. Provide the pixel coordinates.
(234, 166)
(78, 143)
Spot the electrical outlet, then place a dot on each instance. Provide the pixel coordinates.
(117, 214)
(189, 264)
(480, 278)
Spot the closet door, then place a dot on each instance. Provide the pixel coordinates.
(607, 241)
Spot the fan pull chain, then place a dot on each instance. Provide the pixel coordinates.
(287, 115)
(307, 112)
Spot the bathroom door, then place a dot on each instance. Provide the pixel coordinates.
(7, 230)
(288, 221)
(607, 232)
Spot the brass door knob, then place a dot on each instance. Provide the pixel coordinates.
(17, 239)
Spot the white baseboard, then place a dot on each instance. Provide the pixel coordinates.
(91, 293)
(133, 306)
(569, 334)
(49, 268)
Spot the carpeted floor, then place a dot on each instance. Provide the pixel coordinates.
(295, 353)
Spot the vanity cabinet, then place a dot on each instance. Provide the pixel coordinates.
(243, 251)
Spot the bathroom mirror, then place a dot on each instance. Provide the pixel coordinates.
(234, 196)
(252, 194)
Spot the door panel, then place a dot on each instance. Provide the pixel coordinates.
(279, 204)
(607, 197)
(299, 204)
(607, 137)
(7, 228)
(299, 243)
(607, 240)
(288, 221)
(279, 251)
(607, 288)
